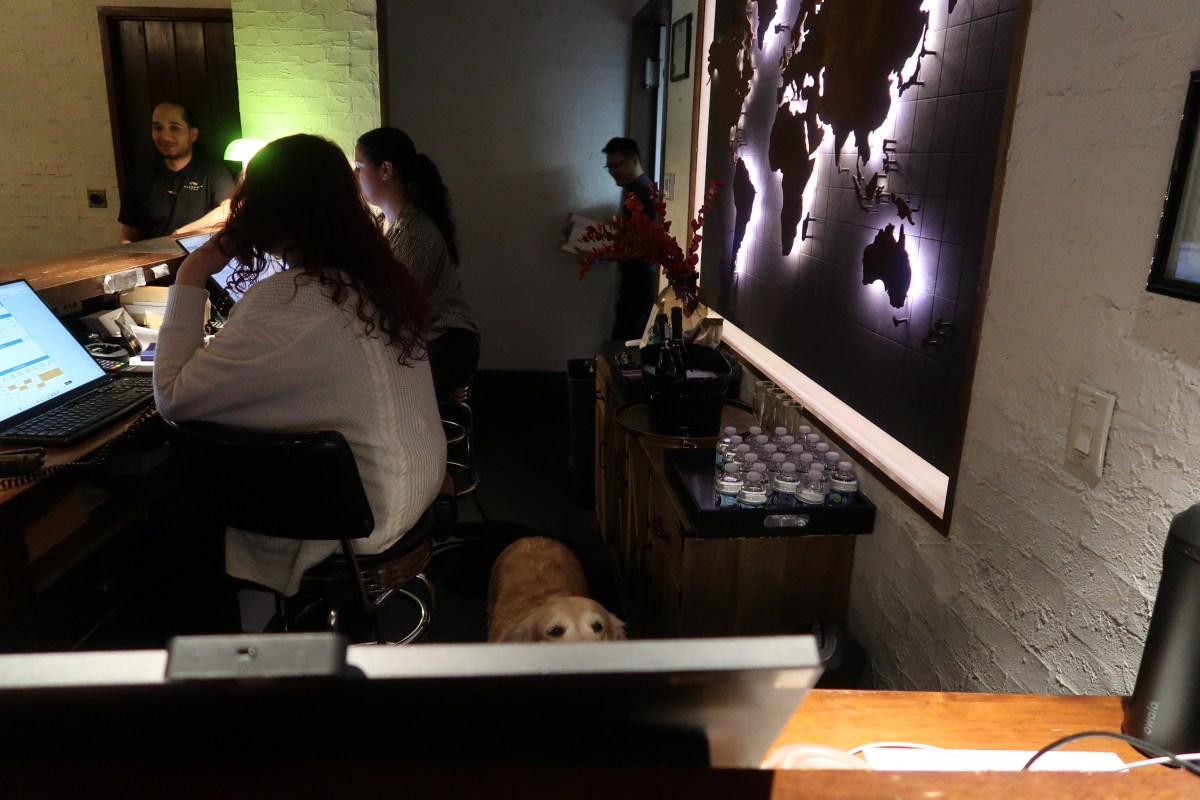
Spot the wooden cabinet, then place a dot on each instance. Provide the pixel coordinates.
(674, 583)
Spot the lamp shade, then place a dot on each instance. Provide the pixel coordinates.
(243, 150)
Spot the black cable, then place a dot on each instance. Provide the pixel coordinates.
(1139, 744)
(96, 459)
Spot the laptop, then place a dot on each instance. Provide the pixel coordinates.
(52, 391)
(221, 292)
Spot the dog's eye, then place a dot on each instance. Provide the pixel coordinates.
(597, 627)
(555, 631)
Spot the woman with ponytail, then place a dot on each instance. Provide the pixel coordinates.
(407, 187)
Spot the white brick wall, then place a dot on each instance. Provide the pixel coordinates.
(307, 66)
(1045, 584)
(57, 139)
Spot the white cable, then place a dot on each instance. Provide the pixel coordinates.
(862, 748)
(1160, 760)
(811, 756)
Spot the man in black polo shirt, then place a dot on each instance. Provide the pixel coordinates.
(639, 280)
(181, 192)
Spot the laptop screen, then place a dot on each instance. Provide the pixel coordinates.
(222, 278)
(39, 358)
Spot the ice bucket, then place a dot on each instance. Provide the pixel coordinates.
(689, 407)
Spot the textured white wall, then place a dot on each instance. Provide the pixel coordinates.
(677, 149)
(1045, 584)
(514, 114)
(55, 127)
(307, 66)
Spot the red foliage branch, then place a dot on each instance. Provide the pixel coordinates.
(650, 240)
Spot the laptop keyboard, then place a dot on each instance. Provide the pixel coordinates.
(86, 414)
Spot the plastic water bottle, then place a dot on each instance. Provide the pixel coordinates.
(822, 450)
(832, 459)
(754, 431)
(786, 441)
(802, 433)
(728, 486)
(753, 493)
(737, 455)
(818, 470)
(750, 463)
(759, 442)
(785, 483)
(813, 488)
(725, 440)
(725, 449)
(803, 463)
(811, 441)
(768, 450)
(775, 465)
(779, 433)
(843, 485)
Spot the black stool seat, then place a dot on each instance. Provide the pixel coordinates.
(307, 487)
(401, 562)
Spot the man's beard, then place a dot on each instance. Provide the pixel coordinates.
(178, 151)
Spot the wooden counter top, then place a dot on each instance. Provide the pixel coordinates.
(965, 720)
(61, 280)
(846, 719)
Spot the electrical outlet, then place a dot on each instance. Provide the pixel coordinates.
(97, 198)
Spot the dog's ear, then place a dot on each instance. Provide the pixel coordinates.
(522, 630)
(614, 630)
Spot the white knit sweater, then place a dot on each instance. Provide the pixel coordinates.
(288, 359)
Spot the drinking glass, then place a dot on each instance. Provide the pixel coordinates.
(775, 409)
(793, 415)
(761, 391)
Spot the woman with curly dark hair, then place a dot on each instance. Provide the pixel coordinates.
(407, 187)
(333, 340)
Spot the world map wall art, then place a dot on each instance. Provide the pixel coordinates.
(860, 139)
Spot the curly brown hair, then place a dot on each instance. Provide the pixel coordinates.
(299, 202)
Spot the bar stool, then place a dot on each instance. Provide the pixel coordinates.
(306, 486)
(460, 434)
(367, 582)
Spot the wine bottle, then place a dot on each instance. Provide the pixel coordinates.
(677, 340)
(670, 353)
(659, 334)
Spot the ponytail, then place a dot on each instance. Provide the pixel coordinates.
(426, 190)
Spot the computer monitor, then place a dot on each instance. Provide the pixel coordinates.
(222, 293)
(719, 702)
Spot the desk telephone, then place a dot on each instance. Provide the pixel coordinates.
(22, 462)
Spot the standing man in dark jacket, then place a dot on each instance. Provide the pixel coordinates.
(639, 280)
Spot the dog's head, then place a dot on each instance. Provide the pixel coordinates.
(567, 619)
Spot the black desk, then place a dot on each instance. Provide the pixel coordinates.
(63, 528)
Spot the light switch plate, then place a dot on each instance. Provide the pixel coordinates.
(1087, 436)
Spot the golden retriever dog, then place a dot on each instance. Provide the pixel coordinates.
(537, 593)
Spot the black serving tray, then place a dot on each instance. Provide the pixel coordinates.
(690, 472)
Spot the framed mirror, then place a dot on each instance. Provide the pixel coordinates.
(1175, 268)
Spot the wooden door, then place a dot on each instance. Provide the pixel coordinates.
(154, 55)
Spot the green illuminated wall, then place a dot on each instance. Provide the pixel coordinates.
(307, 66)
